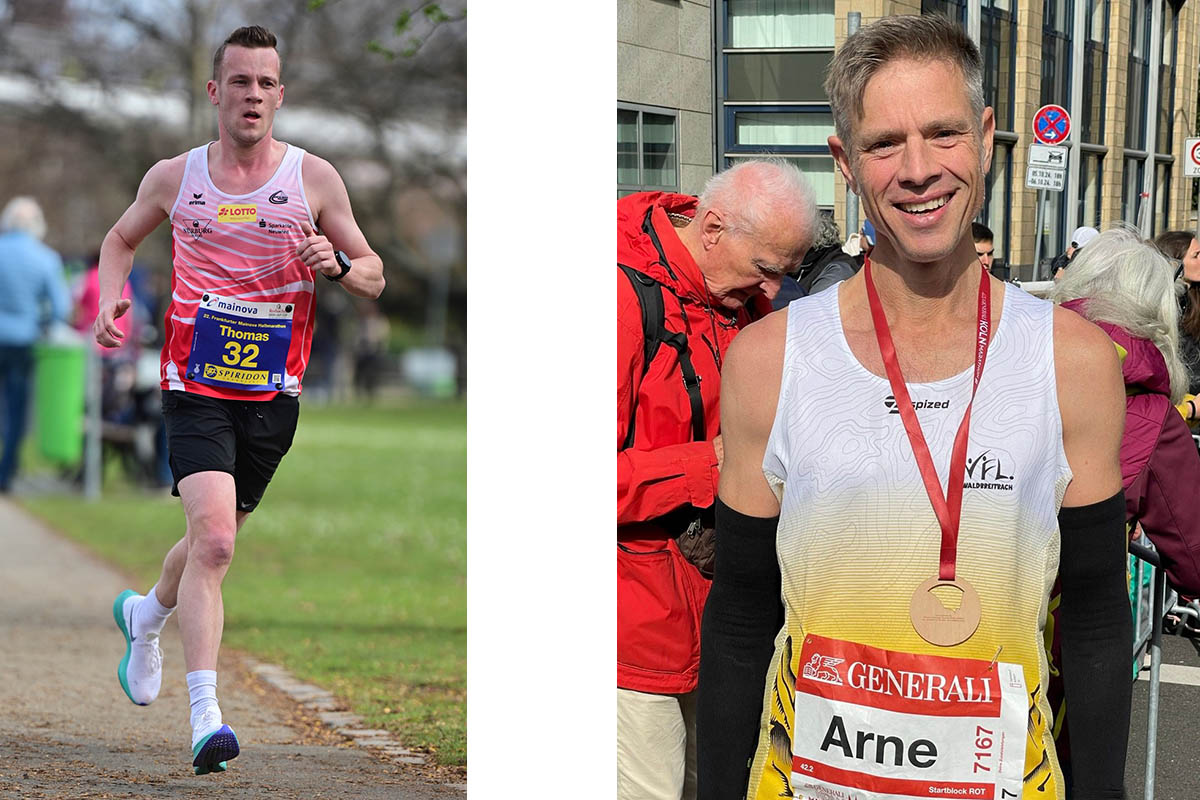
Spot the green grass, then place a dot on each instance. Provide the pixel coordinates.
(351, 573)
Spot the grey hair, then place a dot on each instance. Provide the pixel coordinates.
(1129, 283)
(752, 194)
(923, 38)
(23, 214)
(828, 232)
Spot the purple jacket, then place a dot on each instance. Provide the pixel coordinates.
(1160, 467)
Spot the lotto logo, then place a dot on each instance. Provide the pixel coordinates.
(237, 213)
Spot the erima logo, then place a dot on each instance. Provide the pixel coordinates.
(985, 471)
(890, 403)
(196, 200)
(822, 668)
(279, 198)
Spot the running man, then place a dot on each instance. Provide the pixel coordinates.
(253, 221)
(905, 467)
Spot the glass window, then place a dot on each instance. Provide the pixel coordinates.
(1164, 133)
(1131, 197)
(1054, 237)
(647, 150)
(776, 77)
(1162, 198)
(997, 207)
(1135, 97)
(1095, 73)
(774, 129)
(1056, 52)
(953, 10)
(818, 170)
(997, 44)
(781, 23)
(1090, 176)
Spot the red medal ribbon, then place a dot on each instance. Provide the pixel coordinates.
(948, 507)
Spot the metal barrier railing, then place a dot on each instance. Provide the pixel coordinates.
(1152, 599)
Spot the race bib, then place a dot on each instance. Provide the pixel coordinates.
(240, 344)
(874, 724)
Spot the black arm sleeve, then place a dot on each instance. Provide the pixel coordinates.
(741, 618)
(1097, 645)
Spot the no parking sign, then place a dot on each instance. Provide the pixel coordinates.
(1051, 124)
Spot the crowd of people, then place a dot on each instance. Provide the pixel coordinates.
(894, 443)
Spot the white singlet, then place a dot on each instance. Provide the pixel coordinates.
(857, 705)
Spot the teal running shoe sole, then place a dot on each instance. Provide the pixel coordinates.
(119, 617)
(212, 753)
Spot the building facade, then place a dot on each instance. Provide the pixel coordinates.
(703, 84)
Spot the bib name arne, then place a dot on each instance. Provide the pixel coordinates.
(240, 344)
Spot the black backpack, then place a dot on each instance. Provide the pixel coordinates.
(693, 528)
(655, 333)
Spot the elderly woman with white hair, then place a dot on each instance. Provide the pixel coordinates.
(1126, 286)
(32, 292)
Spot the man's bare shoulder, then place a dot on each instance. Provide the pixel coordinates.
(317, 170)
(753, 369)
(758, 347)
(1081, 347)
(162, 181)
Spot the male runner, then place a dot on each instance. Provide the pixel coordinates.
(903, 465)
(245, 213)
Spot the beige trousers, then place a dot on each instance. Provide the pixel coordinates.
(656, 746)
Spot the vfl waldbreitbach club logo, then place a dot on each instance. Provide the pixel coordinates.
(279, 198)
(822, 668)
(986, 471)
(890, 403)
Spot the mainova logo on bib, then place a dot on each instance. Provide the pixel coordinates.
(246, 212)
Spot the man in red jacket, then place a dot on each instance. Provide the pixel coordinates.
(716, 261)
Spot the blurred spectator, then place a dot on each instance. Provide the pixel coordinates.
(370, 349)
(985, 246)
(1184, 251)
(87, 304)
(1079, 238)
(1124, 284)
(32, 294)
(859, 244)
(326, 375)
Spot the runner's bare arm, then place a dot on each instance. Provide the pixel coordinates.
(330, 205)
(750, 381)
(153, 203)
(1085, 358)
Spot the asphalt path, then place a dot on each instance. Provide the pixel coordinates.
(68, 731)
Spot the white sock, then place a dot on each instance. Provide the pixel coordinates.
(202, 688)
(149, 615)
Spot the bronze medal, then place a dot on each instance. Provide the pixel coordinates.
(939, 625)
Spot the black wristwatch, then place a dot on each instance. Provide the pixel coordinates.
(340, 257)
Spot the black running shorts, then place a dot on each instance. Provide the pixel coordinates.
(246, 439)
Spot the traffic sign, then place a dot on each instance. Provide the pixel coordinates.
(1191, 158)
(1048, 155)
(1055, 180)
(1051, 124)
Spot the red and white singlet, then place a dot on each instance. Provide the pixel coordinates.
(240, 321)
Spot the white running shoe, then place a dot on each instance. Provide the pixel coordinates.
(140, 671)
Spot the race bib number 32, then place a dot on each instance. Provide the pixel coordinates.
(874, 724)
(240, 344)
